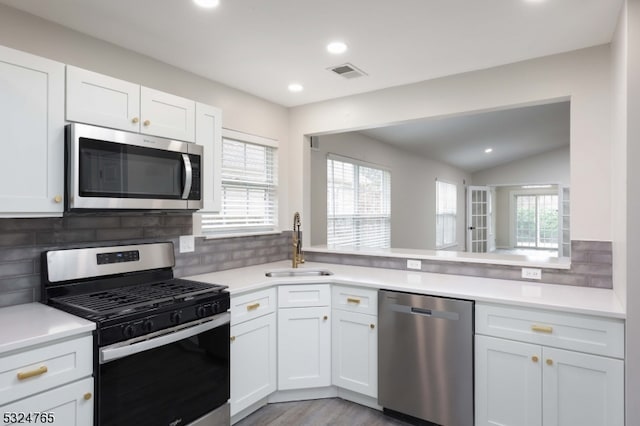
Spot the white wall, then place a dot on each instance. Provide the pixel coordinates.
(412, 189)
(581, 76)
(548, 167)
(241, 111)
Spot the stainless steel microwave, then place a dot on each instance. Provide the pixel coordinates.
(110, 169)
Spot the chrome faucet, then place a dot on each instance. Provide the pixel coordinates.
(297, 241)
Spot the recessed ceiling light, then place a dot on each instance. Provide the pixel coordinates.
(295, 87)
(488, 150)
(535, 1)
(209, 4)
(336, 47)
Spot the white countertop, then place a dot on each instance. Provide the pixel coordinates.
(591, 301)
(31, 324)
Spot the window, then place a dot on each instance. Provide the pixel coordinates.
(358, 204)
(537, 221)
(446, 208)
(249, 187)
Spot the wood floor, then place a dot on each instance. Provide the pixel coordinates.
(318, 412)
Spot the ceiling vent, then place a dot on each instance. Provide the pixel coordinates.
(347, 71)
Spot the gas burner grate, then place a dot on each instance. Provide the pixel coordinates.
(138, 296)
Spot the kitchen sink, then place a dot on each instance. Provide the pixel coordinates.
(302, 272)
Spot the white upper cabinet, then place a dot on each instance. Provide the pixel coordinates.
(31, 135)
(166, 115)
(102, 100)
(209, 135)
(106, 101)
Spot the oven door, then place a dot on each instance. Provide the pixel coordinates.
(172, 378)
(110, 169)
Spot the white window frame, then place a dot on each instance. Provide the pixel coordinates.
(199, 228)
(454, 242)
(358, 164)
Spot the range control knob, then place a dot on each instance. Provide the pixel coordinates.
(175, 317)
(147, 326)
(215, 307)
(128, 331)
(201, 311)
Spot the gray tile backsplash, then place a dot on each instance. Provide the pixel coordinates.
(22, 241)
(591, 266)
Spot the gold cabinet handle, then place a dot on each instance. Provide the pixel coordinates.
(232, 338)
(135, 120)
(542, 328)
(325, 317)
(57, 199)
(372, 326)
(549, 361)
(534, 358)
(353, 300)
(147, 123)
(253, 307)
(37, 372)
(87, 396)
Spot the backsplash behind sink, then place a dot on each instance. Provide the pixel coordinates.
(22, 241)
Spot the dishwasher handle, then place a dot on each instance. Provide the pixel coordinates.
(424, 312)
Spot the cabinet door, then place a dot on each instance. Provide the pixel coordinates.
(304, 348)
(508, 383)
(102, 100)
(209, 135)
(69, 405)
(354, 346)
(166, 115)
(253, 361)
(581, 389)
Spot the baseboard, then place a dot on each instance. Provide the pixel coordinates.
(303, 394)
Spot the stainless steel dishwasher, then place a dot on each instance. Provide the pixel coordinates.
(425, 357)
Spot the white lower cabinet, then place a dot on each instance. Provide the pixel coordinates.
(530, 384)
(69, 405)
(253, 361)
(354, 346)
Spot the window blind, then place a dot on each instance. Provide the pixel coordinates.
(249, 189)
(358, 204)
(446, 210)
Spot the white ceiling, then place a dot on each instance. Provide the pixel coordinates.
(260, 46)
(460, 141)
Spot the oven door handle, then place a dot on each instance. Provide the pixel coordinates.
(118, 350)
(188, 179)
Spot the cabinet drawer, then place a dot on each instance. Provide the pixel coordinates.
(300, 296)
(252, 305)
(31, 371)
(583, 333)
(355, 299)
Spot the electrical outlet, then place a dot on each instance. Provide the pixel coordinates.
(532, 273)
(414, 264)
(187, 243)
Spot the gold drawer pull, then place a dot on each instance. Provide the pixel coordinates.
(232, 338)
(549, 361)
(43, 369)
(87, 396)
(353, 300)
(146, 123)
(372, 326)
(253, 307)
(542, 328)
(325, 317)
(534, 358)
(135, 120)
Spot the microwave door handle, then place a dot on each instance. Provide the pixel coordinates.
(188, 176)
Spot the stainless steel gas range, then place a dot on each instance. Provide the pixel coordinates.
(161, 343)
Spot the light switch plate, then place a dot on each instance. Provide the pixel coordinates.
(532, 273)
(414, 264)
(187, 243)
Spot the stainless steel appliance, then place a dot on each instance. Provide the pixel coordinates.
(112, 169)
(425, 357)
(161, 343)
